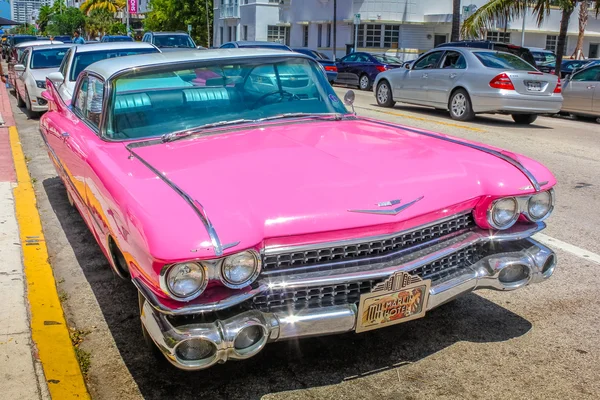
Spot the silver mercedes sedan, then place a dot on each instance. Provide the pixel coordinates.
(469, 81)
(582, 92)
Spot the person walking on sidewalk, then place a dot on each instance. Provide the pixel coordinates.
(77, 39)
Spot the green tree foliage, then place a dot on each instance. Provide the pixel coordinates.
(108, 5)
(98, 22)
(67, 22)
(44, 17)
(176, 15)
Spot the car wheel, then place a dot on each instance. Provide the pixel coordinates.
(384, 94)
(364, 83)
(460, 106)
(27, 100)
(524, 119)
(20, 102)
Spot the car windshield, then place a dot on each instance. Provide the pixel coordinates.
(84, 59)
(543, 57)
(22, 39)
(179, 97)
(119, 39)
(48, 58)
(173, 41)
(497, 60)
(386, 59)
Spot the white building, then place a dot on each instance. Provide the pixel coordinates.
(404, 27)
(25, 11)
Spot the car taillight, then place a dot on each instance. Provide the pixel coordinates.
(381, 68)
(552, 71)
(331, 68)
(502, 81)
(558, 88)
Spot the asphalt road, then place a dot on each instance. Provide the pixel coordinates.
(541, 342)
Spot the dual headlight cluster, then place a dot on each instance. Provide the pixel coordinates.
(504, 212)
(41, 84)
(186, 281)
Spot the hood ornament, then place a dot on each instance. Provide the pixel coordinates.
(392, 211)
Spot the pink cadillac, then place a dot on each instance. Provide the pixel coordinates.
(247, 205)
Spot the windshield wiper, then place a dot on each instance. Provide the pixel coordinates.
(172, 136)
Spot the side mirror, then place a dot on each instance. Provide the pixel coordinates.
(19, 68)
(56, 77)
(349, 99)
(407, 66)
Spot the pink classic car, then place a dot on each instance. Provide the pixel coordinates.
(254, 207)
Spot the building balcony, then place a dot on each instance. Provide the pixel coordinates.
(230, 11)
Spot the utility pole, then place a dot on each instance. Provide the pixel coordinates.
(207, 27)
(334, 27)
(127, 18)
(523, 28)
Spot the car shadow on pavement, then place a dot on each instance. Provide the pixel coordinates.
(283, 366)
(480, 119)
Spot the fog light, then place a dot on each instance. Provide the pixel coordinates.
(513, 273)
(549, 264)
(195, 349)
(248, 339)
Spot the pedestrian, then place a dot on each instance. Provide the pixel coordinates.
(77, 39)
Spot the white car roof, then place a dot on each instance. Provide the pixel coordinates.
(37, 43)
(107, 68)
(52, 46)
(83, 48)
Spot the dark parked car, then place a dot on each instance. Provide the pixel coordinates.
(14, 40)
(567, 67)
(116, 38)
(522, 52)
(361, 69)
(264, 45)
(329, 65)
(64, 38)
(170, 41)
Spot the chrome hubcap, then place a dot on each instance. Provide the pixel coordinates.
(382, 93)
(364, 82)
(459, 104)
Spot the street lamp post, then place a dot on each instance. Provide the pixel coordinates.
(334, 28)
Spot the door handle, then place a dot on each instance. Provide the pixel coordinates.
(64, 135)
(452, 76)
(591, 86)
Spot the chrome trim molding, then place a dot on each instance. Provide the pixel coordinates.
(393, 211)
(537, 263)
(495, 153)
(196, 206)
(371, 271)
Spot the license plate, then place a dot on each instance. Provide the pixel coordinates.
(534, 86)
(400, 298)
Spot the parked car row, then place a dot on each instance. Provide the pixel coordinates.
(162, 154)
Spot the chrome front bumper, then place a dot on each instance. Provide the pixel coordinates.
(537, 260)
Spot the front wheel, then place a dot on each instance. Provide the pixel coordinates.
(20, 102)
(460, 106)
(364, 83)
(384, 95)
(524, 119)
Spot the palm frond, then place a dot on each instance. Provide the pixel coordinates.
(486, 17)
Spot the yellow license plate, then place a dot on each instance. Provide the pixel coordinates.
(400, 298)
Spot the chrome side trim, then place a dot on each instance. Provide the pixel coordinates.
(393, 211)
(195, 204)
(495, 153)
(319, 278)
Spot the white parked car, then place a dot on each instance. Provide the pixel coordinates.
(33, 66)
(19, 49)
(81, 56)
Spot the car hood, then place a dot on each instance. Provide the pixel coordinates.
(281, 180)
(41, 74)
(171, 49)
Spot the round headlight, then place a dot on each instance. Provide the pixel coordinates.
(504, 213)
(539, 206)
(186, 281)
(240, 269)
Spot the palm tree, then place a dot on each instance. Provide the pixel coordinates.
(484, 18)
(109, 5)
(44, 17)
(455, 35)
(583, 20)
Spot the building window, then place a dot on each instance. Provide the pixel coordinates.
(230, 35)
(328, 35)
(234, 30)
(360, 39)
(305, 36)
(221, 34)
(392, 35)
(245, 32)
(373, 36)
(551, 42)
(277, 34)
(502, 37)
(319, 34)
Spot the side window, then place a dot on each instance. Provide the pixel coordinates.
(454, 60)
(350, 58)
(362, 58)
(228, 46)
(65, 62)
(429, 61)
(587, 75)
(88, 100)
(23, 59)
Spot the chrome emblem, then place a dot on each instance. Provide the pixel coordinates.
(392, 211)
(530, 187)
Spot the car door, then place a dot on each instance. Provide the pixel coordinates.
(361, 66)
(442, 79)
(596, 98)
(344, 67)
(413, 88)
(20, 76)
(578, 92)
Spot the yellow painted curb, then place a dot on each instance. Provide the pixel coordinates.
(397, 114)
(49, 329)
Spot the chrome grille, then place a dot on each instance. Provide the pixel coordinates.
(323, 296)
(273, 263)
